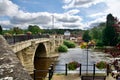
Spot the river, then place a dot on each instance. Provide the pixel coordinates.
(73, 54)
(80, 55)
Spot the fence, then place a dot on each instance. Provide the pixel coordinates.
(80, 69)
(18, 38)
(51, 71)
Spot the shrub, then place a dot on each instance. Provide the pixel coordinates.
(83, 45)
(62, 48)
(73, 65)
(101, 65)
(69, 44)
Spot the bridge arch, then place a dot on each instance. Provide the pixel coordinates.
(27, 51)
(40, 51)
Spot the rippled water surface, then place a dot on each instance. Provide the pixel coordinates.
(79, 55)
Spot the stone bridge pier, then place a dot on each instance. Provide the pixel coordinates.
(36, 48)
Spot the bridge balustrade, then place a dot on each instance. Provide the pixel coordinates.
(18, 38)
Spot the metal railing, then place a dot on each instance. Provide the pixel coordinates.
(18, 38)
(51, 71)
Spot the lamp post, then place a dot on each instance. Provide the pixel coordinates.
(14, 35)
(87, 60)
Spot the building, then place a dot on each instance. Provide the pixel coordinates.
(67, 35)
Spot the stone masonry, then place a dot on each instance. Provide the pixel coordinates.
(10, 66)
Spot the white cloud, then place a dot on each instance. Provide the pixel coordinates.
(33, 18)
(114, 6)
(79, 3)
(73, 11)
(68, 20)
(8, 8)
(96, 15)
(22, 19)
(95, 22)
(67, 1)
(6, 24)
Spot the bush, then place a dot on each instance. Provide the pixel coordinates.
(62, 48)
(73, 65)
(83, 45)
(69, 44)
(101, 65)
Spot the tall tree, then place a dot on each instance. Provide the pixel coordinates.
(1, 29)
(86, 37)
(109, 34)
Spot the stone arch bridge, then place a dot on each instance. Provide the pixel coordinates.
(27, 50)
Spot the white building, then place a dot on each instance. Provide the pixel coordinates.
(67, 35)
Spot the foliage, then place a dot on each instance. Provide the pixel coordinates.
(99, 43)
(62, 48)
(69, 44)
(83, 45)
(1, 29)
(110, 36)
(101, 65)
(61, 31)
(7, 34)
(91, 43)
(73, 65)
(17, 30)
(96, 34)
(34, 29)
(86, 37)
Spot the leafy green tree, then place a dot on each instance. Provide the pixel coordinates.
(110, 36)
(1, 29)
(95, 34)
(17, 30)
(86, 37)
(34, 29)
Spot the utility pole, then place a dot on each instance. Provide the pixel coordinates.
(52, 21)
(53, 25)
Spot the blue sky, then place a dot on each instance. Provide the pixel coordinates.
(68, 14)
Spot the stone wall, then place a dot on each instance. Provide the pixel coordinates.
(10, 66)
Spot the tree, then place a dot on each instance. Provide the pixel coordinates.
(110, 36)
(34, 29)
(1, 29)
(95, 34)
(17, 30)
(86, 37)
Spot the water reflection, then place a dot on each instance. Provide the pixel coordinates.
(42, 64)
(76, 54)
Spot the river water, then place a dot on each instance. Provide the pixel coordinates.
(41, 65)
(79, 55)
(73, 54)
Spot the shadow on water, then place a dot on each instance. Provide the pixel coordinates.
(42, 64)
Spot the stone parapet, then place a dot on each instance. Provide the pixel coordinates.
(10, 66)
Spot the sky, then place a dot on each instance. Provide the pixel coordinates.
(56, 14)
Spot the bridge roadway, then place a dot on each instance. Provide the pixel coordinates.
(28, 50)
